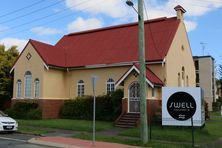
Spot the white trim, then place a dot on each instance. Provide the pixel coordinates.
(16, 90)
(25, 87)
(128, 72)
(111, 65)
(129, 97)
(110, 83)
(45, 66)
(164, 61)
(12, 69)
(36, 97)
(80, 84)
(154, 62)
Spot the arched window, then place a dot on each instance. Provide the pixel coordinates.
(179, 81)
(19, 89)
(80, 86)
(183, 76)
(28, 84)
(36, 88)
(110, 86)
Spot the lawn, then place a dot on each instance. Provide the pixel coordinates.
(182, 134)
(161, 136)
(66, 124)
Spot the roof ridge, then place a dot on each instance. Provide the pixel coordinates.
(33, 41)
(120, 26)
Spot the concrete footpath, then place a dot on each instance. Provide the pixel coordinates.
(63, 142)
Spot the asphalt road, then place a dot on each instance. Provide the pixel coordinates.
(16, 140)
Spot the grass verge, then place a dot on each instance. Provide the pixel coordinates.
(31, 130)
(66, 124)
(178, 134)
(130, 141)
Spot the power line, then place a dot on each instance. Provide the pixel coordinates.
(29, 13)
(54, 20)
(41, 18)
(21, 9)
(151, 33)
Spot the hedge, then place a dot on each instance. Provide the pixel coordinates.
(108, 107)
(25, 110)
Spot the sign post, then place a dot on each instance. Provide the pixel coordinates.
(93, 78)
(183, 106)
(192, 131)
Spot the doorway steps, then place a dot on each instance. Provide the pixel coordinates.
(127, 120)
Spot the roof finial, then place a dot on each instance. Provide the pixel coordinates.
(180, 11)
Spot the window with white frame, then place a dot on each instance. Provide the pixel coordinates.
(19, 89)
(28, 84)
(80, 86)
(36, 88)
(110, 86)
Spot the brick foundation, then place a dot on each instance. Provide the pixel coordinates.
(125, 105)
(50, 107)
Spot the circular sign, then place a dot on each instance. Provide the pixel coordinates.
(181, 106)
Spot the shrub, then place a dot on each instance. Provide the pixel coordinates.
(216, 106)
(108, 107)
(25, 110)
(116, 98)
(207, 116)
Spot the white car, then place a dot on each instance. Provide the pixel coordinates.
(7, 124)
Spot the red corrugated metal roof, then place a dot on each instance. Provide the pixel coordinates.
(151, 76)
(110, 45)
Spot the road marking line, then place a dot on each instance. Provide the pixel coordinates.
(12, 139)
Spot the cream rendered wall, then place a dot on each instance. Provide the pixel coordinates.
(35, 65)
(176, 58)
(158, 70)
(103, 74)
(55, 85)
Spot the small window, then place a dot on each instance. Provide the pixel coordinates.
(178, 79)
(187, 79)
(28, 84)
(197, 78)
(80, 88)
(183, 76)
(182, 48)
(110, 86)
(37, 88)
(19, 89)
(196, 64)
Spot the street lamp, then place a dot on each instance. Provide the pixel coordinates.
(142, 75)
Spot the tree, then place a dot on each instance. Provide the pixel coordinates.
(7, 59)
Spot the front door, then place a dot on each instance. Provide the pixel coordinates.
(134, 98)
